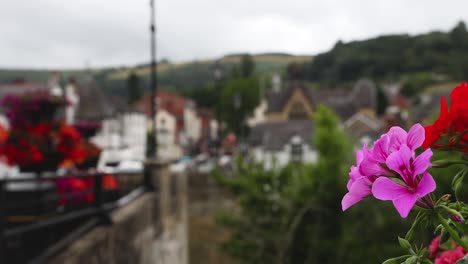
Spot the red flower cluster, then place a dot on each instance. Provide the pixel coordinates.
(75, 191)
(70, 145)
(440, 256)
(450, 130)
(45, 145)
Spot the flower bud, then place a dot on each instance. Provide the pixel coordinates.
(446, 197)
(458, 219)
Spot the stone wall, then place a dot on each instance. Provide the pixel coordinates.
(205, 236)
(150, 230)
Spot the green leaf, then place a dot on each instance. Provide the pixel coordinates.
(450, 211)
(457, 184)
(404, 243)
(423, 253)
(411, 260)
(396, 260)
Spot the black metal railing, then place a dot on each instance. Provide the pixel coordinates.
(43, 213)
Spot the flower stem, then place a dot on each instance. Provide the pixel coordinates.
(452, 232)
(446, 163)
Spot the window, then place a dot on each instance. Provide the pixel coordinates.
(296, 149)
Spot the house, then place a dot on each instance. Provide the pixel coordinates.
(275, 144)
(178, 124)
(122, 136)
(284, 129)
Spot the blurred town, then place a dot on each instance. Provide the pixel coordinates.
(236, 159)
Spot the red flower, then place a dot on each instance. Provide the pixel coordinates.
(69, 133)
(459, 96)
(434, 132)
(41, 129)
(450, 256)
(3, 134)
(109, 182)
(451, 127)
(434, 247)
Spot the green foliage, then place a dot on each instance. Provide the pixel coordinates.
(134, 92)
(382, 101)
(293, 214)
(206, 96)
(415, 83)
(393, 56)
(238, 99)
(247, 66)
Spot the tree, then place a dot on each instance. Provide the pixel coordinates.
(247, 66)
(382, 101)
(238, 99)
(459, 35)
(134, 92)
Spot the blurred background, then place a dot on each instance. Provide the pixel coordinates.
(210, 131)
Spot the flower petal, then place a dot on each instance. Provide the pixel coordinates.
(370, 167)
(415, 137)
(431, 137)
(354, 174)
(426, 185)
(405, 203)
(360, 154)
(358, 191)
(422, 162)
(399, 161)
(398, 137)
(385, 189)
(380, 150)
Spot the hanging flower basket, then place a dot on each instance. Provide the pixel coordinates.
(32, 108)
(87, 129)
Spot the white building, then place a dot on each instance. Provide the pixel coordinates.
(168, 136)
(274, 145)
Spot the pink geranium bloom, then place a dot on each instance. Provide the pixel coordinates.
(358, 191)
(413, 186)
(359, 186)
(374, 165)
(450, 256)
(389, 143)
(434, 247)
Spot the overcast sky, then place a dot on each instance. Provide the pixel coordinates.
(72, 34)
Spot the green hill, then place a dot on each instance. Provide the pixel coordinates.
(180, 77)
(439, 55)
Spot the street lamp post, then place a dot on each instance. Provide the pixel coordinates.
(153, 81)
(152, 147)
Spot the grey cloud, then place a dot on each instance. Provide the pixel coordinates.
(57, 33)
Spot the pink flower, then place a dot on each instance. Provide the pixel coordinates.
(359, 186)
(450, 256)
(389, 143)
(391, 170)
(411, 186)
(434, 247)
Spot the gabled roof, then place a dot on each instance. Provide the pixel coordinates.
(372, 123)
(274, 135)
(93, 104)
(345, 103)
(277, 100)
